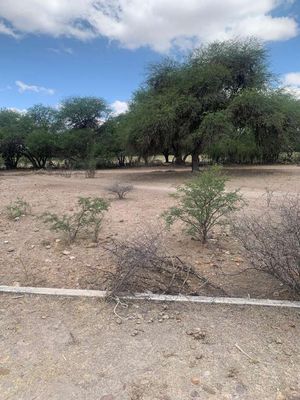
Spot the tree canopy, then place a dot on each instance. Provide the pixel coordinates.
(221, 101)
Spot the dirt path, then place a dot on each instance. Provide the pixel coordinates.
(72, 349)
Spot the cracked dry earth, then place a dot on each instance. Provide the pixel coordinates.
(55, 348)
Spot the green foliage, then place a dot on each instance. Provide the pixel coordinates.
(18, 209)
(83, 112)
(88, 218)
(203, 203)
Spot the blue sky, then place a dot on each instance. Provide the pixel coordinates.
(52, 49)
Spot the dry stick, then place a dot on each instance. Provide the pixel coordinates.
(124, 305)
(246, 354)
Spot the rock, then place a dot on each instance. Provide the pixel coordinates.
(195, 380)
(135, 333)
(107, 397)
(199, 356)
(209, 389)
(66, 252)
(48, 247)
(10, 250)
(278, 341)
(119, 321)
(72, 257)
(197, 334)
(4, 371)
(36, 230)
(17, 218)
(6, 242)
(280, 396)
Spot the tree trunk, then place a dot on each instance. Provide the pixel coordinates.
(166, 155)
(195, 162)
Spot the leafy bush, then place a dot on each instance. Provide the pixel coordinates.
(203, 203)
(18, 208)
(89, 218)
(272, 241)
(120, 190)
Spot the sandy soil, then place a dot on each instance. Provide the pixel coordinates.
(72, 349)
(31, 254)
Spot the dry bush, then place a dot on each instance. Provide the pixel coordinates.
(272, 241)
(90, 173)
(120, 190)
(65, 173)
(143, 264)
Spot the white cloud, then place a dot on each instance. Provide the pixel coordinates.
(160, 24)
(292, 78)
(119, 107)
(6, 30)
(18, 110)
(24, 87)
(291, 81)
(61, 50)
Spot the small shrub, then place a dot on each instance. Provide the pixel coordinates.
(18, 208)
(65, 173)
(272, 241)
(203, 203)
(89, 218)
(90, 173)
(120, 190)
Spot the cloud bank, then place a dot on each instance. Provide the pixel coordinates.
(159, 24)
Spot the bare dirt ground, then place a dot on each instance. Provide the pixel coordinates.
(32, 255)
(72, 349)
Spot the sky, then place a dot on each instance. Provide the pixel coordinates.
(53, 49)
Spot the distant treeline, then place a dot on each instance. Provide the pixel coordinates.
(221, 101)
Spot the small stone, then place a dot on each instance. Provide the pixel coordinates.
(48, 247)
(10, 250)
(280, 396)
(47, 260)
(195, 394)
(6, 241)
(4, 371)
(195, 380)
(36, 230)
(57, 240)
(72, 257)
(119, 321)
(107, 397)
(208, 389)
(199, 356)
(278, 341)
(17, 218)
(135, 333)
(66, 252)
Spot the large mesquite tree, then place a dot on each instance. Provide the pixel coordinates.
(187, 107)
